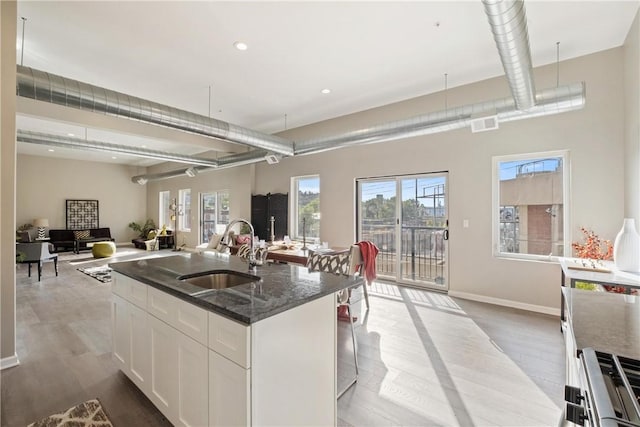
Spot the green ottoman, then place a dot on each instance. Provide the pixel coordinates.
(103, 249)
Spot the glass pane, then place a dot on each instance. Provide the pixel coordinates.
(424, 220)
(308, 207)
(223, 211)
(164, 213)
(531, 206)
(377, 215)
(208, 215)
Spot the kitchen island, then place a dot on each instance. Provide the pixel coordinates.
(258, 353)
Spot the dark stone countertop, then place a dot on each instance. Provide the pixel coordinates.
(606, 321)
(281, 286)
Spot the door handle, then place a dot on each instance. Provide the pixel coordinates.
(445, 235)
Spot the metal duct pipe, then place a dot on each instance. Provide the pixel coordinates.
(549, 101)
(42, 86)
(508, 22)
(142, 179)
(77, 143)
(226, 162)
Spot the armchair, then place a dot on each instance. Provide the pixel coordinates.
(37, 252)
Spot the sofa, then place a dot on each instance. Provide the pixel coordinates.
(164, 241)
(78, 240)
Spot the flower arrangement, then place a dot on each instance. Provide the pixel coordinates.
(594, 247)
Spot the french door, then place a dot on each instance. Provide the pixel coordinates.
(406, 217)
(214, 213)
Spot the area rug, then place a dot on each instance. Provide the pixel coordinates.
(101, 273)
(86, 414)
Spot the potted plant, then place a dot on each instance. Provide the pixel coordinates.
(143, 229)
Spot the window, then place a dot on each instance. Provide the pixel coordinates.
(184, 210)
(164, 213)
(530, 210)
(305, 205)
(214, 213)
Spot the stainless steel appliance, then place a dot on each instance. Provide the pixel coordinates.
(609, 392)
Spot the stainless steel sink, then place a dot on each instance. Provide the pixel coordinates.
(218, 279)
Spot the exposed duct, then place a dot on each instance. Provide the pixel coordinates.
(508, 22)
(509, 26)
(230, 161)
(83, 144)
(548, 101)
(42, 86)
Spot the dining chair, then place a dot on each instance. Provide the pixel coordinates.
(339, 263)
(35, 253)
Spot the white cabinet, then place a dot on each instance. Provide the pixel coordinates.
(179, 386)
(120, 332)
(163, 360)
(139, 366)
(202, 369)
(130, 340)
(193, 383)
(229, 392)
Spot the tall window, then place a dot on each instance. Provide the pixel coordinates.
(530, 210)
(164, 213)
(305, 206)
(214, 213)
(184, 208)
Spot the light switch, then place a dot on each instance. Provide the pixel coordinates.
(465, 223)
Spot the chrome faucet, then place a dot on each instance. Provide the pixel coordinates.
(225, 237)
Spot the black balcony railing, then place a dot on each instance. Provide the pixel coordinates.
(422, 251)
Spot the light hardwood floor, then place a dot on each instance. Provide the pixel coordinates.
(425, 359)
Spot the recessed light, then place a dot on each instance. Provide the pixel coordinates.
(326, 91)
(143, 146)
(71, 134)
(113, 157)
(51, 150)
(240, 46)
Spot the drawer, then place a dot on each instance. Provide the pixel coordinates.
(230, 339)
(185, 317)
(130, 289)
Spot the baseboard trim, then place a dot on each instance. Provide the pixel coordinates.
(506, 303)
(9, 362)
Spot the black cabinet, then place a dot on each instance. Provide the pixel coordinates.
(265, 206)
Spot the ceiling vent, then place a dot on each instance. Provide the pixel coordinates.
(191, 172)
(272, 159)
(484, 123)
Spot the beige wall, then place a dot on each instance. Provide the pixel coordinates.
(594, 137)
(632, 121)
(7, 187)
(44, 183)
(237, 181)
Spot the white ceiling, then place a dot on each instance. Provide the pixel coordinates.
(368, 53)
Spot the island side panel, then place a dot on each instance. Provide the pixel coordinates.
(293, 372)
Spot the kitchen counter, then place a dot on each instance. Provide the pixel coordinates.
(281, 287)
(605, 321)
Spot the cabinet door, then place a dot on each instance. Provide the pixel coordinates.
(163, 384)
(139, 347)
(193, 384)
(229, 393)
(120, 332)
(279, 209)
(259, 216)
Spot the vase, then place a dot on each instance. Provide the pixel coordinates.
(626, 248)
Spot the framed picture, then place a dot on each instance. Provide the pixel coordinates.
(82, 214)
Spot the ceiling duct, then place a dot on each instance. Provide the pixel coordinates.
(548, 101)
(508, 22)
(83, 144)
(43, 86)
